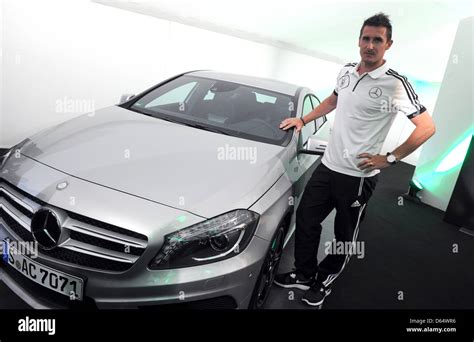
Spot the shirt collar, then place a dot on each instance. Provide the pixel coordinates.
(376, 73)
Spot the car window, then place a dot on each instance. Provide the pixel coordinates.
(321, 120)
(262, 98)
(232, 108)
(309, 128)
(177, 95)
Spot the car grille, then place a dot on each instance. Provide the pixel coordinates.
(88, 242)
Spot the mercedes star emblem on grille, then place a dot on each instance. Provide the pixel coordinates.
(46, 228)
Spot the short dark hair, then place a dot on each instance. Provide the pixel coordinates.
(380, 19)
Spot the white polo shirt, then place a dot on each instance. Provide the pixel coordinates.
(366, 107)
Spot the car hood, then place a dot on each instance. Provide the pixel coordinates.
(202, 172)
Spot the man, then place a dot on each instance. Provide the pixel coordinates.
(367, 97)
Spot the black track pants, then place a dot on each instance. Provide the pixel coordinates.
(325, 191)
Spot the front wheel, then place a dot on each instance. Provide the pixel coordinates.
(268, 271)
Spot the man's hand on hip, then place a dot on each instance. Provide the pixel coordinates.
(372, 162)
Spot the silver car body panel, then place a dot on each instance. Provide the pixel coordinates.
(141, 193)
(139, 285)
(105, 149)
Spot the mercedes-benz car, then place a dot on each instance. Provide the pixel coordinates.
(181, 196)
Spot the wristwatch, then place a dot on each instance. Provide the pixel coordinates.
(391, 159)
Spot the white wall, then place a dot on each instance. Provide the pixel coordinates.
(454, 118)
(64, 58)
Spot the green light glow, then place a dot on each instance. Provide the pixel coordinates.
(435, 174)
(455, 157)
(417, 184)
(181, 218)
(168, 277)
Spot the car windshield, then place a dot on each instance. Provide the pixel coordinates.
(220, 106)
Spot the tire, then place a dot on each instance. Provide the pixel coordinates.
(269, 269)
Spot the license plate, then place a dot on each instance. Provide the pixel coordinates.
(60, 282)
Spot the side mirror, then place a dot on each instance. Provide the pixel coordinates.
(314, 145)
(125, 97)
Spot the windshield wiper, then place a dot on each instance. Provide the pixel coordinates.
(155, 116)
(195, 125)
(142, 112)
(206, 128)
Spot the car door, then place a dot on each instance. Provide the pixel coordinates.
(304, 164)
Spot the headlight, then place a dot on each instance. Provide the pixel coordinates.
(216, 239)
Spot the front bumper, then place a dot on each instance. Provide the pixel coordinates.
(136, 286)
(225, 284)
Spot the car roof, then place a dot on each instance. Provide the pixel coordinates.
(257, 82)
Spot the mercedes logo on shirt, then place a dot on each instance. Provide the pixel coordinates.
(344, 82)
(375, 92)
(46, 228)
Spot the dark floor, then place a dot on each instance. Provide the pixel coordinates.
(408, 252)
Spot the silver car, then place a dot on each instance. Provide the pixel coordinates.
(181, 196)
